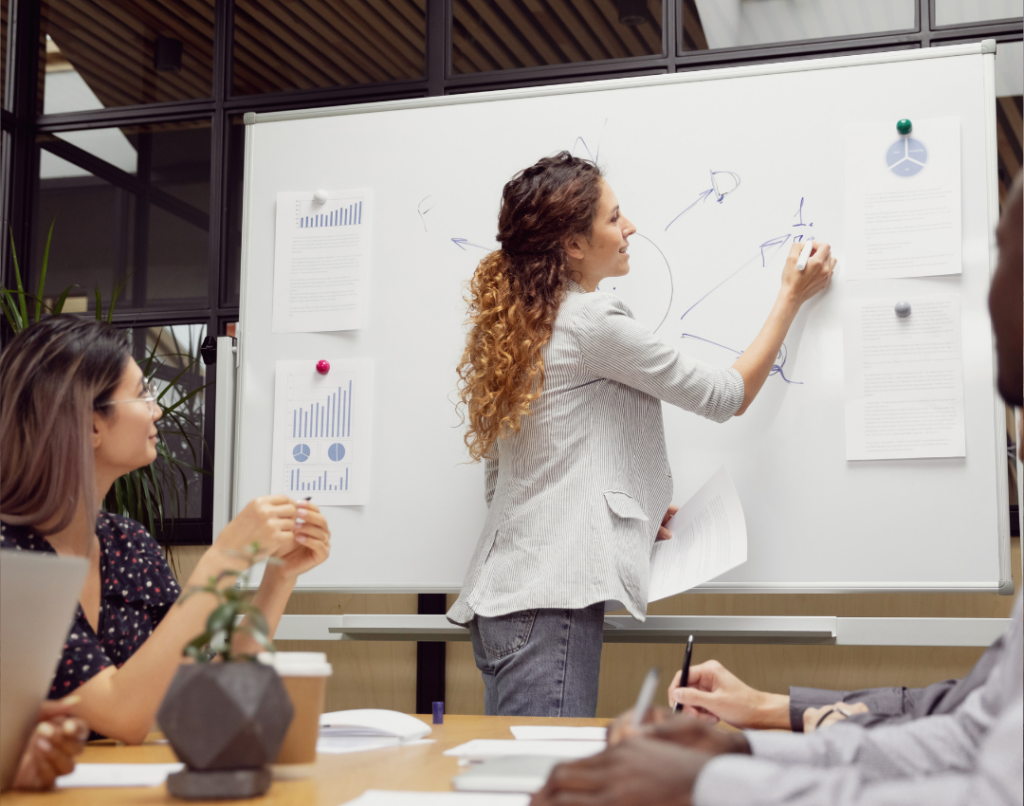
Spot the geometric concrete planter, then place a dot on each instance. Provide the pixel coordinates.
(226, 722)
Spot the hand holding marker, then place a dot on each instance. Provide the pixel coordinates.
(801, 264)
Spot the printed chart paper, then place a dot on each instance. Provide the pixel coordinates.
(904, 379)
(709, 537)
(321, 261)
(903, 200)
(322, 431)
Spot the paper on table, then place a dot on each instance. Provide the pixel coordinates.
(321, 440)
(337, 745)
(377, 797)
(549, 733)
(709, 537)
(904, 379)
(321, 261)
(903, 200)
(88, 775)
(496, 748)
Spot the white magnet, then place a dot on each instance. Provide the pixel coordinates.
(320, 197)
(903, 309)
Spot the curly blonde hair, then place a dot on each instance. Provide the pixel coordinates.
(516, 291)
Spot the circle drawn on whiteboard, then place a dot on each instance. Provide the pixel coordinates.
(300, 453)
(906, 157)
(336, 452)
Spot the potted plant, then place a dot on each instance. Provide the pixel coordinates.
(225, 720)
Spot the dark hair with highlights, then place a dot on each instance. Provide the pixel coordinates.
(53, 375)
(515, 293)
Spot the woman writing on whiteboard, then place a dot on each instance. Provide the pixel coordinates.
(76, 413)
(562, 389)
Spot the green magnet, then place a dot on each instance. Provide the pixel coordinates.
(905, 126)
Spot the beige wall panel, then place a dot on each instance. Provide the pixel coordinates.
(382, 674)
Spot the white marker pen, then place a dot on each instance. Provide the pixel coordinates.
(805, 253)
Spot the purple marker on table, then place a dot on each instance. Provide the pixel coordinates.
(438, 713)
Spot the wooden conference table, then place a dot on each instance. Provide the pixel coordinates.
(336, 779)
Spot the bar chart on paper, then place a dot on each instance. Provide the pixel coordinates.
(321, 440)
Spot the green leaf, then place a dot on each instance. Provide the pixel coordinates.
(42, 268)
(58, 306)
(99, 305)
(17, 281)
(196, 647)
(222, 618)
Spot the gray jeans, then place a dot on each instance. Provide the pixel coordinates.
(540, 662)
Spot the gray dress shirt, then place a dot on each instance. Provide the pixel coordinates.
(897, 703)
(576, 496)
(971, 755)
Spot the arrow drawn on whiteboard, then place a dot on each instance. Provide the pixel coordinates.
(722, 184)
(422, 212)
(462, 243)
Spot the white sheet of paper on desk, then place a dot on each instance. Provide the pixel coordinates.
(378, 797)
(902, 200)
(321, 261)
(557, 733)
(479, 749)
(709, 537)
(337, 745)
(321, 440)
(904, 379)
(100, 775)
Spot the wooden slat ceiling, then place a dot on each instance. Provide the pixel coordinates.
(488, 35)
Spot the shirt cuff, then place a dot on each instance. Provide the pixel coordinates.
(729, 397)
(733, 780)
(782, 747)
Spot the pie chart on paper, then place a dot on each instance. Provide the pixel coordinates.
(906, 157)
(300, 453)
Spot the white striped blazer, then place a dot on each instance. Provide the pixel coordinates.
(575, 497)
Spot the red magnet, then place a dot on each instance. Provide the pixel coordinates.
(323, 367)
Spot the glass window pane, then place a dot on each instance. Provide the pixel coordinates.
(489, 35)
(959, 12)
(306, 44)
(130, 208)
(710, 24)
(168, 354)
(106, 53)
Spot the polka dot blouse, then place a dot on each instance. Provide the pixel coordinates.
(137, 590)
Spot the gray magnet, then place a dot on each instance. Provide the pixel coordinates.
(903, 309)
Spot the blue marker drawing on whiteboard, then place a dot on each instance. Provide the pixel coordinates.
(422, 212)
(593, 156)
(462, 243)
(720, 187)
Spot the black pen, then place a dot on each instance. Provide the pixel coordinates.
(685, 676)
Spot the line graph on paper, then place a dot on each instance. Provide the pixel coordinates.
(321, 433)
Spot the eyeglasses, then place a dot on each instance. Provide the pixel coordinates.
(149, 395)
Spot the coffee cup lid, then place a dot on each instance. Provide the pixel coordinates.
(297, 664)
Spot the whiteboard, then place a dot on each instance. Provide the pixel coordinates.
(816, 522)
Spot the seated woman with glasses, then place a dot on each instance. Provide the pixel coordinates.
(76, 413)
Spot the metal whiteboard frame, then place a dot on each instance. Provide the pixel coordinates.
(752, 629)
